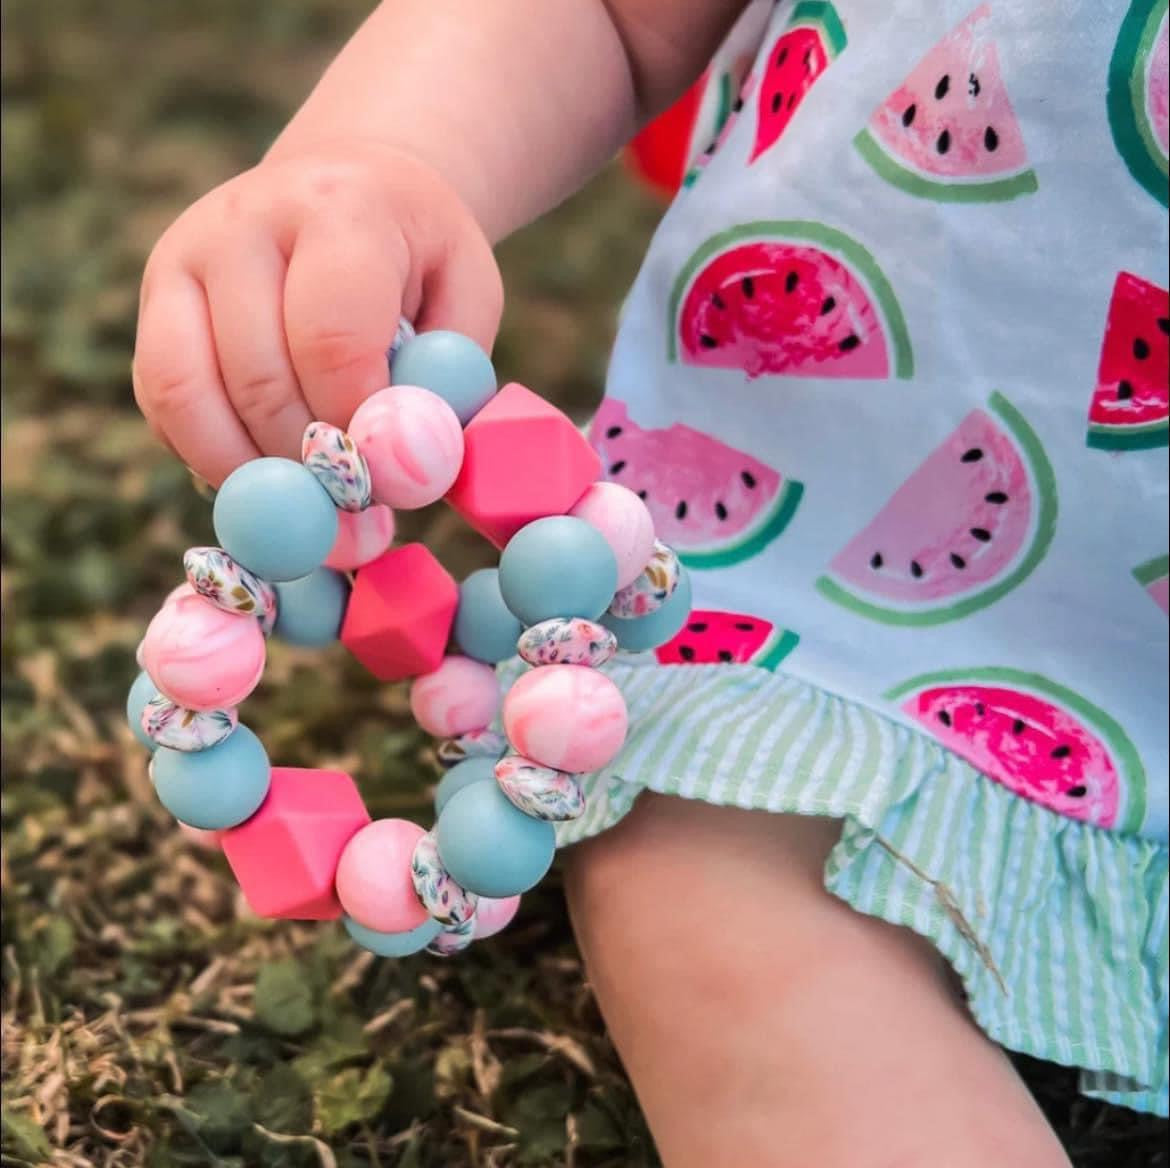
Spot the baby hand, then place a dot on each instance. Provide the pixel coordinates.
(273, 300)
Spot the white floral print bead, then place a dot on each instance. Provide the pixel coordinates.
(652, 589)
(540, 791)
(453, 939)
(567, 641)
(230, 586)
(445, 900)
(176, 728)
(333, 457)
(477, 744)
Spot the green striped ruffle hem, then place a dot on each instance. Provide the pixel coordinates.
(1057, 929)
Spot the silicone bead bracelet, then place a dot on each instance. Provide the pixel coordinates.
(581, 578)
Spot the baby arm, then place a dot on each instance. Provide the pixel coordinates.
(438, 129)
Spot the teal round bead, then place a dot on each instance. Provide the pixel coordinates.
(641, 633)
(450, 365)
(559, 566)
(484, 625)
(141, 692)
(217, 788)
(463, 774)
(309, 611)
(393, 944)
(489, 846)
(275, 518)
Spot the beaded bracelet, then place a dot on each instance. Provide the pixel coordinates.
(306, 555)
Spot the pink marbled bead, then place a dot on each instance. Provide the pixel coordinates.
(208, 840)
(566, 717)
(626, 523)
(362, 536)
(492, 916)
(412, 442)
(202, 657)
(374, 882)
(460, 696)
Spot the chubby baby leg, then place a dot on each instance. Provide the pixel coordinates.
(765, 1024)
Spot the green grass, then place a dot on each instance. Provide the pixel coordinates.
(147, 1018)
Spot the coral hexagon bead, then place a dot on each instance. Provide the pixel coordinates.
(460, 696)
(362, 536)
(471, 770)
(272, 516)
(523, 459)
(285, 857)
(566, 717)
(413, 443)
(626, 523)
(494, 914)
(400, 612)
(373, 878)
(202, 657)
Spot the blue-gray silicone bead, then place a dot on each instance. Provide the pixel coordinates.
(485, 627)
(450, 365)
(141, 692)
(641, 633)
(463, 774)
(309, 611)
(489, 846)
(559, 566)
(216, 788)
(275, 518)
(393, 944)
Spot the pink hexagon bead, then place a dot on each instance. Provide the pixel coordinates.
(460, 696)
(566, 717)
(373, 879)
(202, 657)
(413, 443)
(362, 536)
(285, 857)
(493, 916)
(626, 523)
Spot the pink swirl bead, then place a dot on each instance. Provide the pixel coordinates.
(566, 717)
(460, 696)
(626, 523)
(362, 536)
(373, 880)
(208, 840)
(412, 442)
(493, 916)
(202, 657)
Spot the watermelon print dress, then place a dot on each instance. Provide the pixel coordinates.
(893, 382)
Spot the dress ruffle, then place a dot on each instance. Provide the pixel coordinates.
(1057, 929)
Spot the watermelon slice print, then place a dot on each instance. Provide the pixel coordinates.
(787, 297)
(724, 132)
(949, 132)
(1154, 577)
(968, 526)
(1037, 738)
(726, 638)
(1130, 409)
(1138, 100)
(813, 38)
(714, 505)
